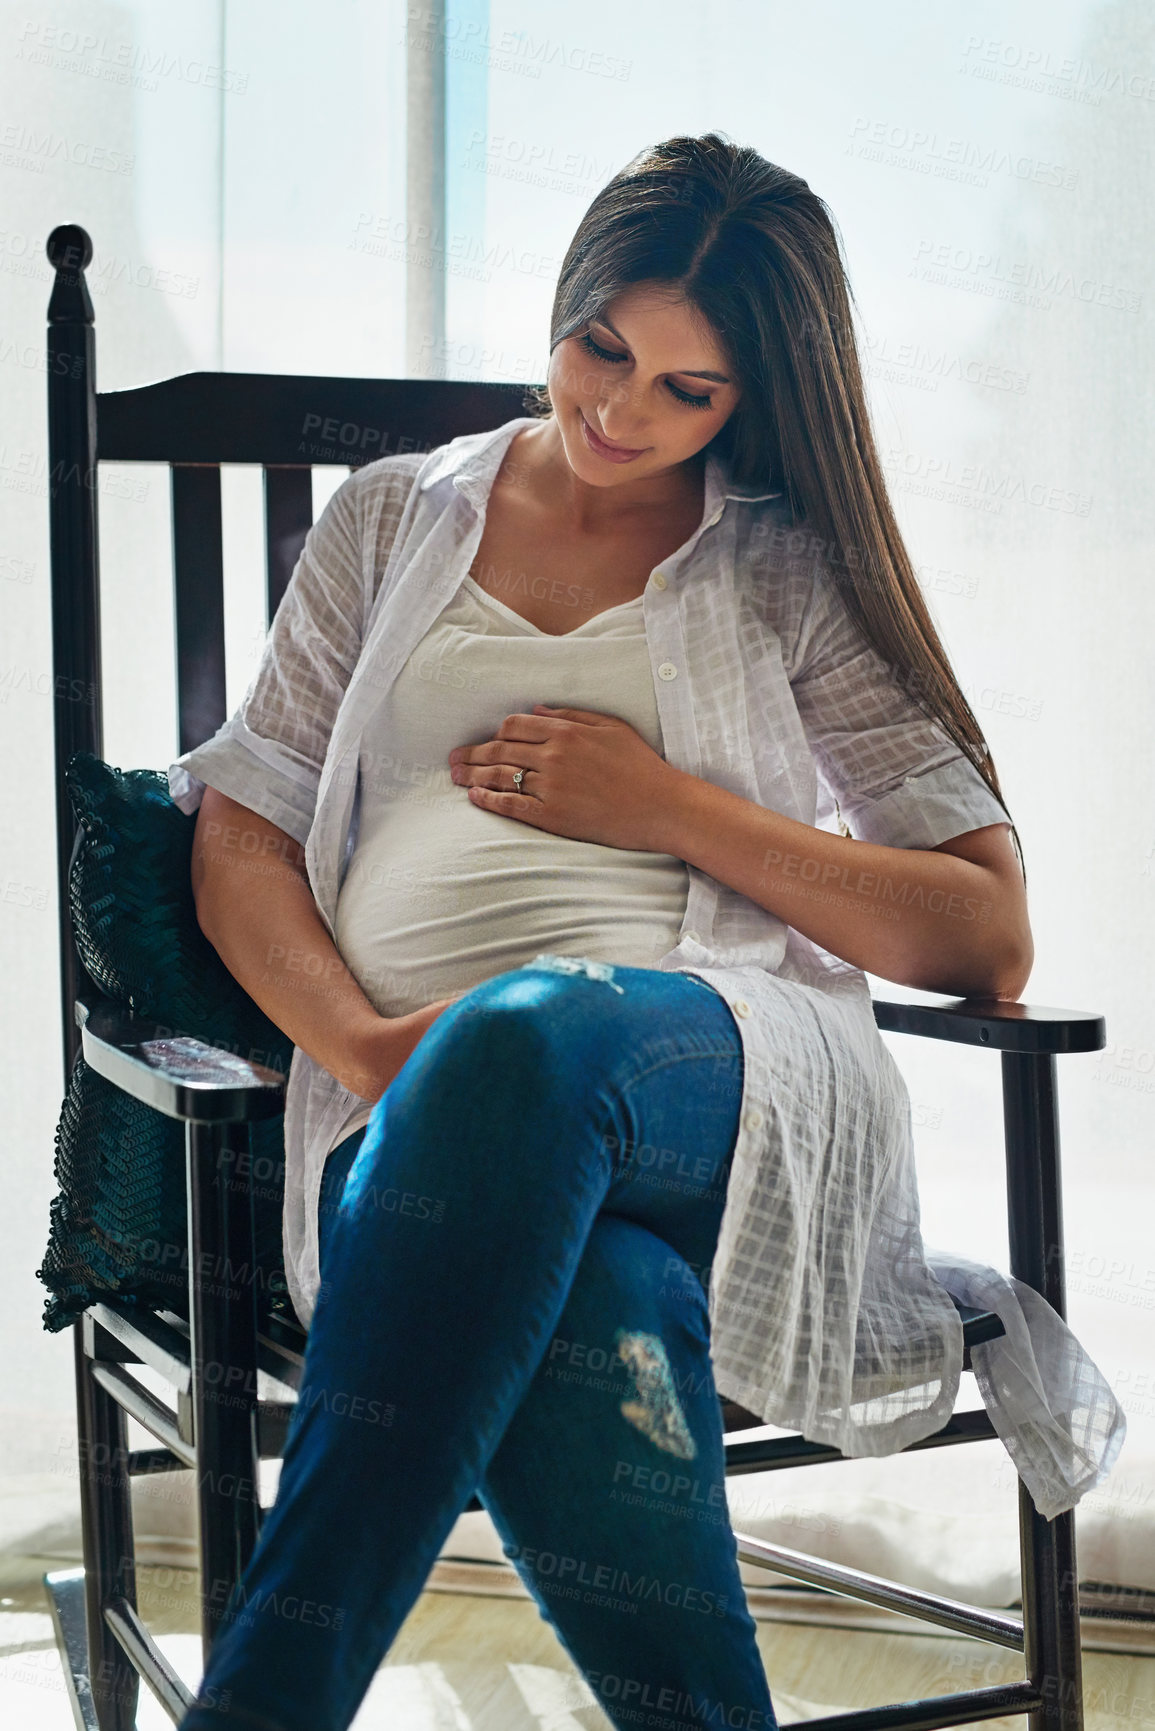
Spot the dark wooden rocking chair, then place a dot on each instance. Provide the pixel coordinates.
(286, 424)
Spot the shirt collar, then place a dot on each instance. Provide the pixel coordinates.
(474, 459)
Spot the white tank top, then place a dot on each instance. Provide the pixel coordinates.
(441, 894)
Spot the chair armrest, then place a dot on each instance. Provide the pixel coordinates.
(997, 1023)
(181, 1076)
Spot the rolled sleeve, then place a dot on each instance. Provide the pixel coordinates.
(896, 776)
(269, 755)
(929, 808)
(256, 772)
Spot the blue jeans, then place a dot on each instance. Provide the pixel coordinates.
(515, 1259)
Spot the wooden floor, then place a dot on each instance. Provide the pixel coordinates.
(467, 1661)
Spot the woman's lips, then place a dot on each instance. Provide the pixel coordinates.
(601, 449)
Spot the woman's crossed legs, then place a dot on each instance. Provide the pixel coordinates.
(513, 1304)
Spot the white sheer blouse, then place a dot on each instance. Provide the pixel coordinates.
(828, 1314)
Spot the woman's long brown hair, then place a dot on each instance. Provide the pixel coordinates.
(757, 253)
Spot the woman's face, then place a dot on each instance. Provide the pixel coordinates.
(633, 379)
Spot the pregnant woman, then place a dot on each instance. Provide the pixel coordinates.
(589, 764)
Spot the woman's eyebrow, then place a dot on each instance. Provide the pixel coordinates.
(718, 378)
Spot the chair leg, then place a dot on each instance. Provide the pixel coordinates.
(1051, 1643)
(106, 1528)
(222, 1277)
(1049, 1567)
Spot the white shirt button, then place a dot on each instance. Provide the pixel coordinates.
(753, 1119)
(693, 936)
(667, 670)
(658, 580)
(741, 1008)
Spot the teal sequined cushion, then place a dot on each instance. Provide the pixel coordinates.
(119, 1222)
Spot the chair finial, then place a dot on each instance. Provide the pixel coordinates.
(70, 247)
(70, 253)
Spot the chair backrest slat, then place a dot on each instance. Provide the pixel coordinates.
(288, 519)
(294, 420)
(198, 573)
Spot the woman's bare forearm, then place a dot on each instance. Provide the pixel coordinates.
(256, 907)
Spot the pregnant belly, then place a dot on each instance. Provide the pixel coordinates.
(439, 897)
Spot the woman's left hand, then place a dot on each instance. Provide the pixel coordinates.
(588, 776)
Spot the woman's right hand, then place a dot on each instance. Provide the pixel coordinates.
(386, 1047)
